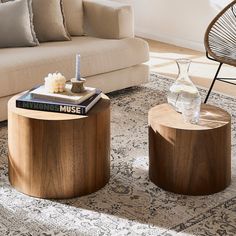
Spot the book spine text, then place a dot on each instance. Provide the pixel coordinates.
(70, 109)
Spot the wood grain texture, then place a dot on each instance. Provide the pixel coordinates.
(53, 155)
(190, 159)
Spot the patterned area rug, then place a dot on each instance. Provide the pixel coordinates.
(130, 204)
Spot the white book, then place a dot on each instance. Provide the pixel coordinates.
(66, 96)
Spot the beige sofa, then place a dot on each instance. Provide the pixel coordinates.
(111, 58)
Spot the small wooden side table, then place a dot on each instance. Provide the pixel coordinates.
(55, 155)
(190, 159)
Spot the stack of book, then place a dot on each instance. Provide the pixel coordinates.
(66, 102)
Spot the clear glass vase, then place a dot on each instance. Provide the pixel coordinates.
(183, 84)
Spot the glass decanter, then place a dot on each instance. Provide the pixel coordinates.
(183, 84)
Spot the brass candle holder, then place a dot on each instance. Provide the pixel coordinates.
(77, 85)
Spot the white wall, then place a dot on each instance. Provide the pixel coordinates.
(179, 22)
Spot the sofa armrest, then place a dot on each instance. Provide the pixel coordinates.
(108, 19)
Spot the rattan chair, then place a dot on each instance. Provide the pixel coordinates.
(220, 41)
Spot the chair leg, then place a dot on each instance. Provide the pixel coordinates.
(213, 82)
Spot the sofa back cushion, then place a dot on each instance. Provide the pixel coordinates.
(16, 26)
(49, 20)
(73, 10)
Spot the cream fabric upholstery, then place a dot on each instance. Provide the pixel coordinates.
(22, 68)
(108, 82)
(119, 79)
(73, 10)
(108, 19)
(3, 107)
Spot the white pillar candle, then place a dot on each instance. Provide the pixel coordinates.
(78, 67)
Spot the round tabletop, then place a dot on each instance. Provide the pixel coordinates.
(211, 117)
(102, 104)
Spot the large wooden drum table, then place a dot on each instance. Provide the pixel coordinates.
(186, 158)
(55, 155)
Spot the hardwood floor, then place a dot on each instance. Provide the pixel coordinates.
(202, 70)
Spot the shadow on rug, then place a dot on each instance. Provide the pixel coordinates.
(130, 204)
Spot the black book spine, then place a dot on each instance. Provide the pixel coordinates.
(70, 109)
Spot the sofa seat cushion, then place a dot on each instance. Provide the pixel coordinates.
(22, 68)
